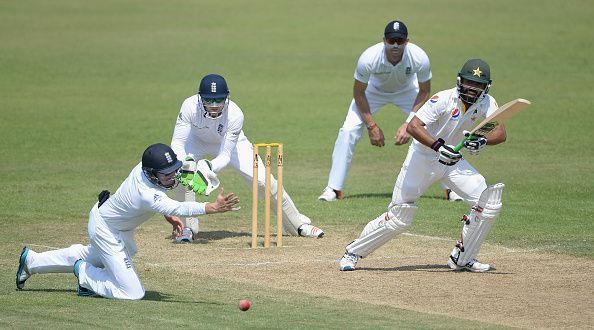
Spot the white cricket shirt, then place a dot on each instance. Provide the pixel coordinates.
(374, 69)
(193, 127)
(443, 117)
(137, 200)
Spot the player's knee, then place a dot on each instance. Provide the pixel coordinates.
(400, 216)
(133, 291)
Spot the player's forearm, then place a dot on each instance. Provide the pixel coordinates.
(416, 129)
(422, 95)
(363, 108)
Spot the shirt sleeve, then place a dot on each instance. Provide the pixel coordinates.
(424, 74)
(161, 203)
(429, 112)
(181, 132)
(363, 70)
(228, 144)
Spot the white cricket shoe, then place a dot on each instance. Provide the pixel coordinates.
(473, 266)
(330, 195)
(348, 262)
(186, 236)
(307, 230)
(452, 196)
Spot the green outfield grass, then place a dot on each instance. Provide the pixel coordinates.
(86, 86)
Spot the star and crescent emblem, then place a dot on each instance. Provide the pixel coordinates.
(477, 72)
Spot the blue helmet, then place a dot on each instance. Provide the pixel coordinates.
(160, 159)
(213, 94)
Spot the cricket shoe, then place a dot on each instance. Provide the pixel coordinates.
(452, 196)
(186, 236)
(330, 195)
(22, 274)
(348, 262)
(80, 290)
(307, 230)
(473, 266)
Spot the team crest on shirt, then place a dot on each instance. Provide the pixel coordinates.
(434, 99)
(455, 113)
(408, 70)
(220, 129)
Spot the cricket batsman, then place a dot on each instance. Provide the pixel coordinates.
(211, 124)
(439, 124)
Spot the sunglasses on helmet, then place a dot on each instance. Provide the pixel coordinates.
(213, 100)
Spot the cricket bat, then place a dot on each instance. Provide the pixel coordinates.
(500, 115)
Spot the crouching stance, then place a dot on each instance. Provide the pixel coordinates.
(104, 267)
(440, 123)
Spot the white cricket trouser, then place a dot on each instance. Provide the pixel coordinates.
(241, 160)
(420, 170)
(352, 129)
(108, 268)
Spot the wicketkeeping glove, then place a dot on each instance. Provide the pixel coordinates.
(447, 155)
(186, 173)
(474, 143)
(204, 169)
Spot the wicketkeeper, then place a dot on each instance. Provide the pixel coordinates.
(438, 125)
(211, 124)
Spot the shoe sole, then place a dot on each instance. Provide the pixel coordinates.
(22, 258)
(347, 269)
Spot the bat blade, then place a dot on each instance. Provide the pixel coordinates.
(505, 112)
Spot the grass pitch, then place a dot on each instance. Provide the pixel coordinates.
(86, 86)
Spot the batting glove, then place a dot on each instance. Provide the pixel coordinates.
(474, 143)
(447, 155)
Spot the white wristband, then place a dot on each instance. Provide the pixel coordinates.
(410, 117)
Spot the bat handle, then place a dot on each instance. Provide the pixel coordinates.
(460, 145)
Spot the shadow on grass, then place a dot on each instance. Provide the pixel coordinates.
(204, 237)
(385, 195)
(163, 297)
(47, 290)
(427, 268)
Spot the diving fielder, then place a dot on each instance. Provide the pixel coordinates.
(440, 123)
(210, 124)
(104, 267)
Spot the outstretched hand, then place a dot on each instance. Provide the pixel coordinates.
(223, 203)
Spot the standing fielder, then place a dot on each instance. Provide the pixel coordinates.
(394, 71)
(209, 123)
(444, 120)
(104, 267)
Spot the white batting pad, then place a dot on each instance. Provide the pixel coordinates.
(382, 229)
(477, 228)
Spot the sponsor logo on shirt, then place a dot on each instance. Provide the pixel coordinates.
(455, 113)
(156, 198)
(434, 99)
(128, 262)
